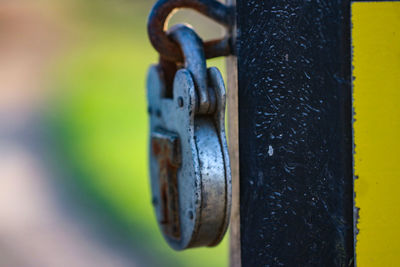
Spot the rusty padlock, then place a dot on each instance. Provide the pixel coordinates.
(189, 161)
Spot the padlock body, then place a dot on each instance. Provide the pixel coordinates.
(189, 162)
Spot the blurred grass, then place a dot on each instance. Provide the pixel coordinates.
(100, 111)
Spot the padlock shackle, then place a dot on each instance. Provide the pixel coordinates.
(163, 10)
(191, 47)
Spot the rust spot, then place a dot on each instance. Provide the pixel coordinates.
(166, 149)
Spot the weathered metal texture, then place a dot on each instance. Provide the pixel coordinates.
(166, 149)
(295, 134)
(158, 22)
(189, 162)
(203, 179)
(194, 60)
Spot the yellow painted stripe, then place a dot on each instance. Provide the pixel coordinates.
(376, 61)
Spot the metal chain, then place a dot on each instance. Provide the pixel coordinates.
(168, 49)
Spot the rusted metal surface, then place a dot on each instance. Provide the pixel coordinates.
(168, 49)
(169, 69)
(198, 201)
(203, 178)
(166, 149)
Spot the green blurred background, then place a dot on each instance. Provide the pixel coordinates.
(99, 124)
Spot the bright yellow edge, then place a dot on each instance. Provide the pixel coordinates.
(376, 62)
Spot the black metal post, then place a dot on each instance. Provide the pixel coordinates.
(295, 133)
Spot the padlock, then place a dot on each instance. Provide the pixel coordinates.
(189, 161)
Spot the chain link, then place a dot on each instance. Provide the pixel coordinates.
(168, 49)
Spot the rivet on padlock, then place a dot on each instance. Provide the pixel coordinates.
(189, 162)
